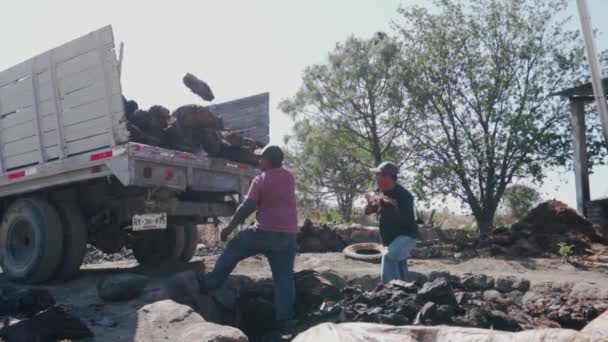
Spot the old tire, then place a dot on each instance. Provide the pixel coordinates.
(157, 247)
(368, 252)
(74, 239)
(31, 241)
(190, 242)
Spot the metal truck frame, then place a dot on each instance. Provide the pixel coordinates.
(69, 176)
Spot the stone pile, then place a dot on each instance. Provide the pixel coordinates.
(31, 314)
(542, 229)
(502, 303)
(190, 128)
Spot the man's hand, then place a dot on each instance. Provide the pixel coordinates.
(226, 233)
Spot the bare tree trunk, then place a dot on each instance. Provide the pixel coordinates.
(485, 220)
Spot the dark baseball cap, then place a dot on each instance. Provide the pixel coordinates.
(387, 168)
(272, 153)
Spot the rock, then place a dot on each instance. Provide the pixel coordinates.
(444, 314)
(24, 301)
(511, 283)
(598, 328)
(105, 322)
(500, 321)
(121, 287)
(584, 291)
(427, 313)
(312, 290)
(169, 321)
(334, 278)
(438, 291)
(494, 297)
(477, 282)
(462, 297)
(393, 319)
(54, 324)
(376, 332)
(453, 280)
(515, 297)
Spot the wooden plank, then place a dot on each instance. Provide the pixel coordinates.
(78, 64)
(102, 55)
(581, 163)
(36, 121)
(83, 79)
(20, 160)
(90, 111)
(18, 147)
(2, 168)
(57, 106)
(18, 132)
(17, 118)
(46, 108)
(85, 96)
(52, 152)
(49, 123)
(45, 92)
(89, 144)
(17, 95)
(15, 73)
(86, 129)
(49, 138)
(83, 44)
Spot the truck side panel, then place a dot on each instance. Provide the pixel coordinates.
(60, 103)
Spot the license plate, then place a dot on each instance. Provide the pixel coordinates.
(150, 221)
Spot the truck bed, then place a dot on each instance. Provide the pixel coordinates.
(135, 165)
(62, 121)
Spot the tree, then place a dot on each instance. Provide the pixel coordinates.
(357, 94)
(520, 199)
(480, 78)
(324, 169)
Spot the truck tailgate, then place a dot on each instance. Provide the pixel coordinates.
(135, 165)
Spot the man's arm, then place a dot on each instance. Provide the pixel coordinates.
(242, 213)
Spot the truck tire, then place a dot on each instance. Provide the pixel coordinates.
(190, 242)
(157, 247)
(31, 241)
(74, 239)
(368, 252)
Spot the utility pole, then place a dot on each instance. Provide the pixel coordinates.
(594, 65)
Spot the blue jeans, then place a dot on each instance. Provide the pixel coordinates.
(394, 258)
(279, 249)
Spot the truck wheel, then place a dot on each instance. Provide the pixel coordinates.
(31, 240)
(74, 239)
(156, 247)
(190, 241)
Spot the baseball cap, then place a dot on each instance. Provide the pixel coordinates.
(386, 168)
(272, 153)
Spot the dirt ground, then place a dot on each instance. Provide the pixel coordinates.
(81, 294)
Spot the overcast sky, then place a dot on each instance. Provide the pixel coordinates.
(240, 48)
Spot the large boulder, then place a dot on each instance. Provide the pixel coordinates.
(511, 283)
(598, 328)
(121, 287)
(438, 291)
(477, 282)
(24, 301)
(54, 324)
(583, 291)
(386, 333)
(169, 321)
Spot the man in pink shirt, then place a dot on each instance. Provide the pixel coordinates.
(272, 194)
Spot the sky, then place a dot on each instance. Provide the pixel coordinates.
(240, 47)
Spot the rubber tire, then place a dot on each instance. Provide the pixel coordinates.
(157, 247)
(46, 225)
(75, 237)
(190, 242)
(350, 252)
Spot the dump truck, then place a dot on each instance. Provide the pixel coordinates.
(69, 176)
